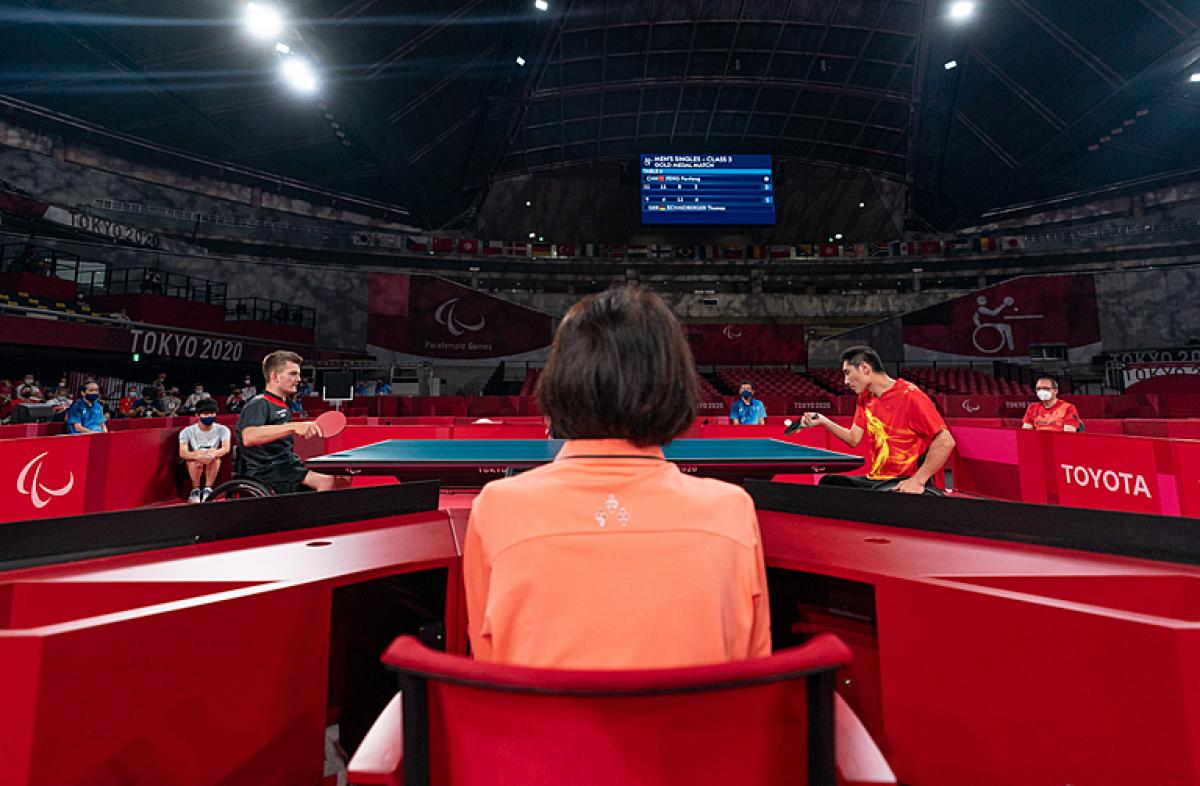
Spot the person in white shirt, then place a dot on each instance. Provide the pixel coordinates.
(191, 402)
(62, 400)
(171, 401)
(248, 389)
(202, 445)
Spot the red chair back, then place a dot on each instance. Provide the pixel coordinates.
(763, 722)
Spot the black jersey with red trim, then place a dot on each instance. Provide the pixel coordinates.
(266, 409)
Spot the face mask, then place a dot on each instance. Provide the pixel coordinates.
(198, 390)
(746, 394)
(28, 380)
(208, 420)
(92, 398)
(1045, 395)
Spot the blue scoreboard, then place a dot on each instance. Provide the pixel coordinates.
(707, 189)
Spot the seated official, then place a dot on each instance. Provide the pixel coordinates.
(610, 557)
(149, 405)
(1051, 413)
(202, 446)
(747, 410)
(266, 432)
(901, 422)
(86, 414)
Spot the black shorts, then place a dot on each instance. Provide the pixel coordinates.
(282, 478)
(863, 482)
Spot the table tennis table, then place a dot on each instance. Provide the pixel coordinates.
(470, 463)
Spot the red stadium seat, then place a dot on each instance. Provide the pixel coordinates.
(469, 723)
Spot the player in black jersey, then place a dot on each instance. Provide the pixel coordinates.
(266, 432)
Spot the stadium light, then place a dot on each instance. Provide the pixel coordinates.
(520, 61)
(541, 5)
(532, 235)
(263, 20)
(962, 10)
(951, 65)
(299, 75)
(1195, 77)
(282, 48)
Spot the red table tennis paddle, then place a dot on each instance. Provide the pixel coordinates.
(331, 423)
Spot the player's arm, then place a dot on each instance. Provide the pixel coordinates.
(253, 436)
(935, 458)
(851, 436)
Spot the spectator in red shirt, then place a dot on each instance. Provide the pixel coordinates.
(1051, 413)
(126, 403)
(900, 420)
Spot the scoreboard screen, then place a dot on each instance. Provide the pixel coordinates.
(707, 189)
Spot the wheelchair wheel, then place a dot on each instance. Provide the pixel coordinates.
(240, 488)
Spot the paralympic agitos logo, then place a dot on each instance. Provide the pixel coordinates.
(444, 315)
(33, 488)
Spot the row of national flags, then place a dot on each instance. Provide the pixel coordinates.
(422, 244)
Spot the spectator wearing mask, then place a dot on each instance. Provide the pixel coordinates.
(382, 388)
(6, 399)
(127, 402)
(198, 394)
(62, 399)
(305, 388)
(248, 389)
(747, 410)
(149, 405)
(235, 402)
(160, 381)
(171, 401)
(202, 446)
(86, 414)
(1051, 413)
(34, 388)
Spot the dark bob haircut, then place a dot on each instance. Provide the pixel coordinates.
(620, 368)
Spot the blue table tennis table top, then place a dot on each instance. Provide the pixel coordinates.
(397, 454)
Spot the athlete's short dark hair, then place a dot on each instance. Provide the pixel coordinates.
(205, 405)
(620, 368)
(856, 356)
(277, 360)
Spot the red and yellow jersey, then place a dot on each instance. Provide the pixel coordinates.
(899, 425)
(1054, 418)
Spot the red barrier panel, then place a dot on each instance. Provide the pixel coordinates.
(45, 476)
(1187, 457)
(138, 467)
(500, 431)
(1106, 472)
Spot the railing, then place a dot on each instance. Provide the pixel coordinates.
(153, 281)
(259, 309)
(90, 277)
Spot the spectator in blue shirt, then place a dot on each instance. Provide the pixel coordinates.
(382, 388)
(747, 410)
(86, 415)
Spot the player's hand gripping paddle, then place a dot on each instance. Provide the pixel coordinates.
(331, 423)
(794, 426)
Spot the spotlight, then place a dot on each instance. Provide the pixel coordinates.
(299, 74)
(520, 61)
(541, 5)
(951, 65)
(962, 10)
(283, 49)
(262, 20)
(1195, 77)
(532, 235)
(838, 236)
(862, 204)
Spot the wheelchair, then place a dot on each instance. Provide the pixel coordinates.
(240, 486)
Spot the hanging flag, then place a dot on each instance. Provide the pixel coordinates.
(829, 250)
(662, 251)
(443, 245)
(929, 248)
(685, 252)
(591, 250)
(565, 250)
(757, 251)
(516, 248)
(879, 249)
(1012, 243)
(468, 246)
(731, 251)
(802, 250)
(957, 247)
(637, 251)
(614, 250)
(984, 245)
(543, 249)
(904, 248)
(854, 249)
(417, 243)
(781, 252)
(493, 248)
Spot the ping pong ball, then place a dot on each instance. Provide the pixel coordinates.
(787, 422)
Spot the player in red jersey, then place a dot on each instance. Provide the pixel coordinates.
(898, 418)
(1051, 413)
